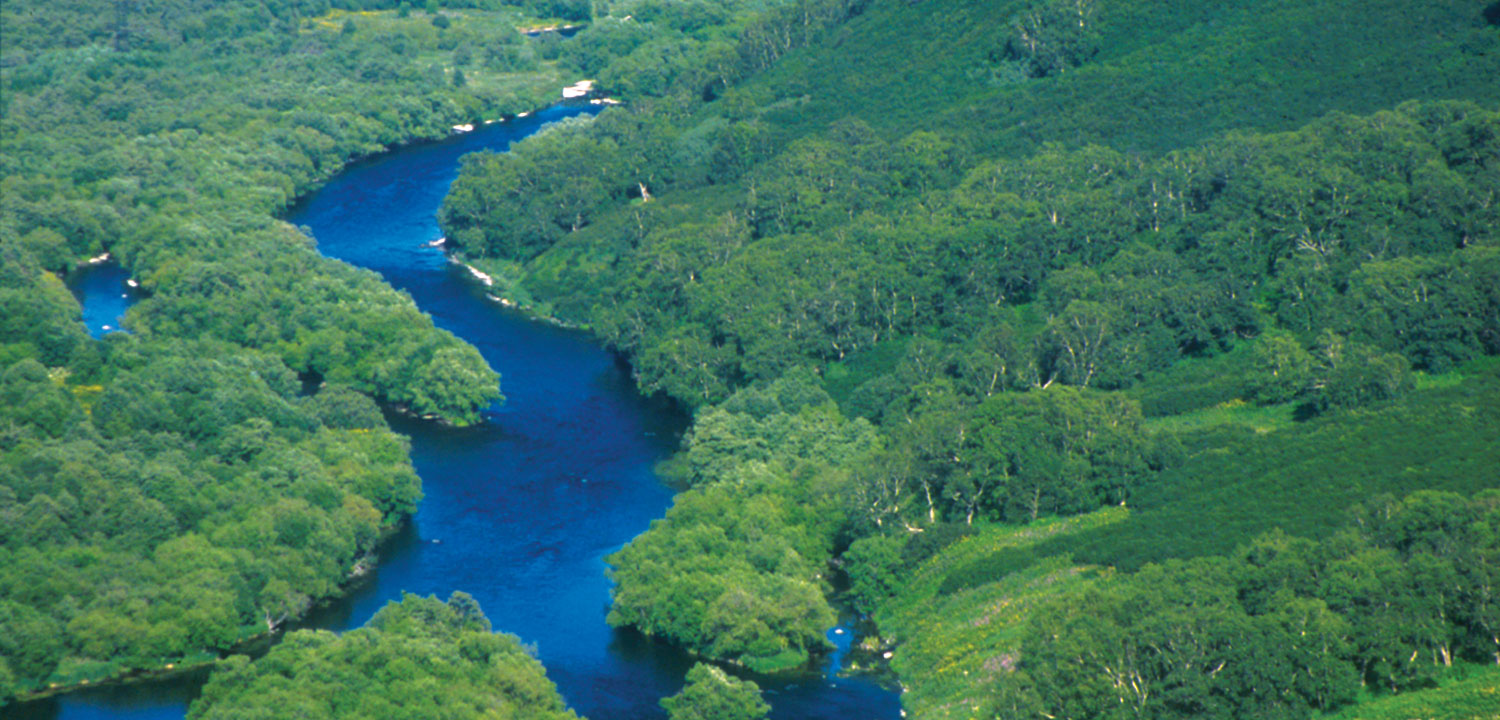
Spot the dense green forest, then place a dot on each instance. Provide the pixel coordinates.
(170, 135)
(186, 502)
(1120, 357)
(712, 694)
(1385, 603)
(951, 269)
(421, 658)
(170, 492)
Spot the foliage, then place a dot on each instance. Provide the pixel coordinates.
(1236, 483)
(166, 494)
(1052, 37)
(1471, 698)
(419, 658)
(735, 569)
(169, 138)
(875, 570)
(1112, 211)
(1106, 208)
(734, 572)
(953, 648)
(196, 501)
(846, 238)
(1016, 456)
(711, 694)
(1064, 451)
(1383, 607)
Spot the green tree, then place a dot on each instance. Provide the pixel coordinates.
(1065, 450)
(1053, 36)
(1349, 374)
(711, 694)
(1282, 370)
(875, 567)
(421, 657)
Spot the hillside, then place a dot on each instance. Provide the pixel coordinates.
(1232, 266)
(1110, 357)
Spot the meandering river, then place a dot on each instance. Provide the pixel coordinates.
(520, 510)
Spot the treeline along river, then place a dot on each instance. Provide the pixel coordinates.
(519, 510)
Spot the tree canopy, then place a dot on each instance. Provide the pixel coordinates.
(712, 694)
(420, 658)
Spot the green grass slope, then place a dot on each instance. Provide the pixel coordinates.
(954, 647)
(1475, 697)
(1166, 74)
(1237, 483)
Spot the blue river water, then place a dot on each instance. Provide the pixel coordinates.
(105, 296)
(521, 510)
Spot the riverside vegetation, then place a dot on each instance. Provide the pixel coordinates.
(168, 493)
(1110, 349)
(206, 477)
(419, 658)
(933, 272)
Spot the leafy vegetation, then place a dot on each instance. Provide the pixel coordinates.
(1070, 331)
(1388, 606)
(711, 694)
(953, 647)
(1384, 607)
(169, 139)
(419, 658)
(1237, 483)
(1469, 698)
(178, 500)
(736, 568)
(1201, 261)
(168, 493)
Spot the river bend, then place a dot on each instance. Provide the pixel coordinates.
(521, 510)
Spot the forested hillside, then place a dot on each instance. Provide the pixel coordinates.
(947, 268)
(1111, 357)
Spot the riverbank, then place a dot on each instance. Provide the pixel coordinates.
(501, 281)
(254, 644)
(500, 517)
(521, 510)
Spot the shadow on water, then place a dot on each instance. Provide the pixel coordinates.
(521, 510)
(145, 700)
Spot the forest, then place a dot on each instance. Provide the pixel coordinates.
(1231, 268)
(1111, 358)
(173, 491)
(417, 658)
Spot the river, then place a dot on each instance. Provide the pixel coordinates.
(521, 510)
(103, 290)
